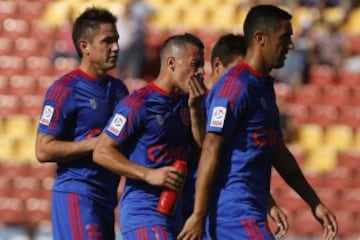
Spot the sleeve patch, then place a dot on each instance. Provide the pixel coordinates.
(218, 117)
(47, 115)
(117, 124)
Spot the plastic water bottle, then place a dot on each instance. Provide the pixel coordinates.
(168, 197)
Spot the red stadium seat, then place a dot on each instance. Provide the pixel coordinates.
(340, 179)
(322, 75)
(26, 187)
(305, 225)
(349, 159)
(308, 95)
(4, 84)
(37, 212)
(349, 78)
(14, 27)
(22, 84)
(346, 222)
(350, 201)
(11, 210)
(349, 115)
(324, 115)
(6, 46)
(336, 95)
(298, 112)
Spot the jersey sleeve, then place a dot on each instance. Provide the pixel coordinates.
(57, 110)
(225, 113)
(124, 122)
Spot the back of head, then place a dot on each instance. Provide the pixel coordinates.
(175, 45)
(88, 24)
(264, 18)
(228, 48)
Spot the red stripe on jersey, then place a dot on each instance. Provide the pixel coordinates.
(75, 216)
(230, 80)
(163, 233)
(60, 85)
(59, 104)
(252, 229)
(156, 233)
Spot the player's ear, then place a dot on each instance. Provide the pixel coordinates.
(84, 46)
(217, 64)
(259, 38)
(171, 63)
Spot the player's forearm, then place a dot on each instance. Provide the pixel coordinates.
(110, 158)
(206, 174)
(197, 118)
(292, 174)
(49, 149)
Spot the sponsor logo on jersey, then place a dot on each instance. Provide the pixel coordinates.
(218, 117)
(117, 124)
(93, 104)
(47, 115)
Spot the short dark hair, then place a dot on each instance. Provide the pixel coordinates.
(265, 18)
(88, 23)
(227, 48)
(180, 41)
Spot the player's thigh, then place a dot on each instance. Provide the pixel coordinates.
(240, 229)
(150, 233)
(77, 217)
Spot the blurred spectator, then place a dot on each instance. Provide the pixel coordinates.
(131, 25)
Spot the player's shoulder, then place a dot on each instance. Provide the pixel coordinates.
(137, 98)
(67, 80)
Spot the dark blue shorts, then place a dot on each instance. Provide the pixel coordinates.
(78, 217)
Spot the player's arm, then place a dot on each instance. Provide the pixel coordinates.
(279, 217)
(194, 226)
(290, 171)
(197, 115)
(107, 155)
(50, 149)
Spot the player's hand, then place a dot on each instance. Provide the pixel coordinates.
(327, 220)
(280, 218)
(92, 141)
(193, 228)
(168, 177)
(197, 91)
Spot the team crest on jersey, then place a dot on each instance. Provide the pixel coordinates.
(185, 116)
(117, 124)
(159, 119)
(218, 117)
(47, 115)
(93, 104)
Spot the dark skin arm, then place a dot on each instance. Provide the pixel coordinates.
(279, 217)
(290, 171)
(194, 226)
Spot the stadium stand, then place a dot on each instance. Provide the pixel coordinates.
(325, 107)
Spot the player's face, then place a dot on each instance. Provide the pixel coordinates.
(279, 44)
(189, 65)
(103, 49)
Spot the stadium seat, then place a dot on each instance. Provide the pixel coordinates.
(353, 20)
(26, 187)
(298, 112)
(6, 188)
(308, 95)
(39, 65)
(6, 46)
(56, 13)
(324, 115)
(10, 65)
(17, 126)
(32, 105)
(336, 95)
(310, 136)
(305, 225)
(4, 84)
(339, 136)
(349, 159)
(350, 201)
(223, 17)
(9, 105)
(196, 17)
(26, 150)
(15, 27)
(334, 15)
(349, 115)
(11, 211)
(304, 16)
(37, 212)
(322, 75)
(355, 98)
(21, 84)
(8, 148)
(339, 179)
(329, 196)
(322, 158)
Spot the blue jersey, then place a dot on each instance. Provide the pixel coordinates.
(77, 107)
(242, 108)
(153, 129)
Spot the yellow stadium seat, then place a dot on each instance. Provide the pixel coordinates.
(167, 17)
(56, 13)
(7, 148)
(224, 18)
(310, 136)
(334, 15)
(26, 150)
(321, 159)
(196, 17)
(304, 17)
(352, 24)
(339, 136)
(17, 126)
(357, 139)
